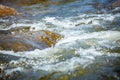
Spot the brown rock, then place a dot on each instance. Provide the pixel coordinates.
(32, 2)
(21, 39)
(116, 4)
(24, 2)
(7, 11)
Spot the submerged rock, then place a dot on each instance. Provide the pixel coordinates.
(116, 4)
(7, 11)
(21, 39)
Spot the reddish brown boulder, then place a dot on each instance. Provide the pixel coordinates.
(7, 11)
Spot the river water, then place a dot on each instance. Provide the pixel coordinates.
(90, 49)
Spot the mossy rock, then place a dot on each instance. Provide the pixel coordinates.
(22, 39)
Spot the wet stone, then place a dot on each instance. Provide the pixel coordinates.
(116, 4)
(21, 39)
(5, 58)
(24, 2)
(7, 11)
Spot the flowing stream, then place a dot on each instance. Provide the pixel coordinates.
(90, 49)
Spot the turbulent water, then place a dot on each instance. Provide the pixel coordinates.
(90, 49)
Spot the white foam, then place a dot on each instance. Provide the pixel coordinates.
(48, 59)
(68, 65)
(33, 26)
(64, 23)
(110, 35)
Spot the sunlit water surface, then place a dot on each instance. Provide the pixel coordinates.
(89, 50)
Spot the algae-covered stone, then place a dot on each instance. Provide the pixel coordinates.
(21, 39)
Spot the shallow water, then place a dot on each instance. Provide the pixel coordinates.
(90, 49)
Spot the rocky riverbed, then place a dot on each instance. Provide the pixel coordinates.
(60, 40)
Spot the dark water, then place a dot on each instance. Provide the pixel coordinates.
(90, 49)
